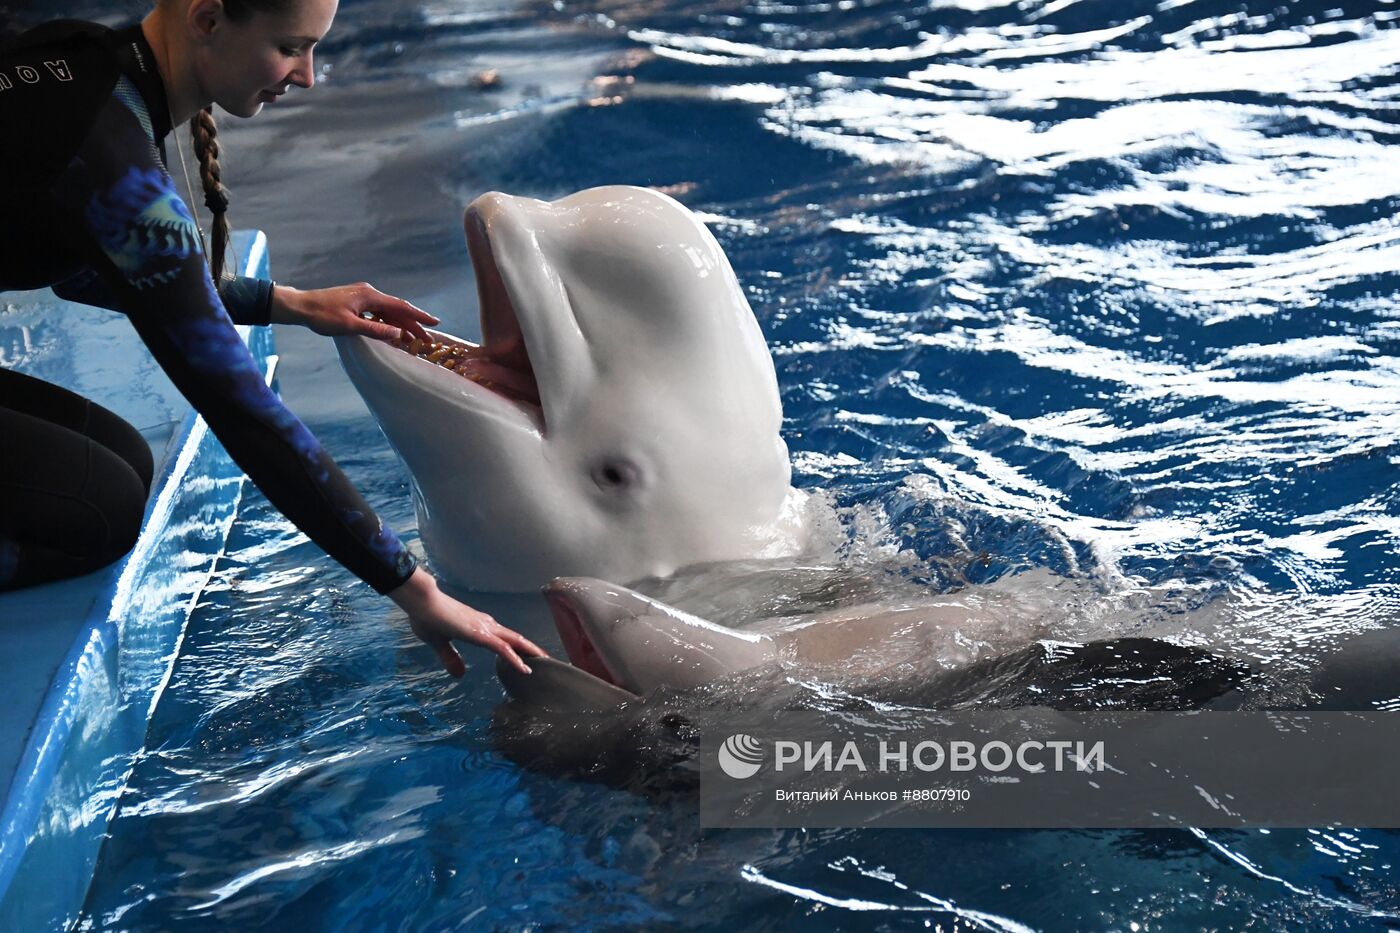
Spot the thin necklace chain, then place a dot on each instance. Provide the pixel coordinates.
(184, 168)
(189, 187)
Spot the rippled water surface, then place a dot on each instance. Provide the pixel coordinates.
(1103, 288)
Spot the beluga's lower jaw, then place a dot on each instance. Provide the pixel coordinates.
(619, 419)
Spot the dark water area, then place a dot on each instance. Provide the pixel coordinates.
(1103, 289)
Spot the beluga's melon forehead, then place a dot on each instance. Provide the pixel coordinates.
(621, 416)
(653, 294)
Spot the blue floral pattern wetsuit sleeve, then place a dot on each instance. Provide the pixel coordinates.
(143, 240)
(247, 301)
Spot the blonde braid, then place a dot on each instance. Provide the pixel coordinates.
(206, 149)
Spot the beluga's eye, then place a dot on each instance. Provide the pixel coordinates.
(616, 474)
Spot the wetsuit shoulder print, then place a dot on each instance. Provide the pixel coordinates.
(52, 79)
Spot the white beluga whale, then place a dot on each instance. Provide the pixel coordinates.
(620, 417)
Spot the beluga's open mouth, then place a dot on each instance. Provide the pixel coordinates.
(501, 362)
(577, 644)
(507, 358)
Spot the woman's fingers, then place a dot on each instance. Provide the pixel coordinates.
(451, 660)
(352, 309)
(401, 323)
(396, 309)
(509, 643)
(396, 312)
(379, 330)
(520, 642)
(506, 651)
(506, 642)
(437, 619)
(488, 633)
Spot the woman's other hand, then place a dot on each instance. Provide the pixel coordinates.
(437, 618)
(336, 312)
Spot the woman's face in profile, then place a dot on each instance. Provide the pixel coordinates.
(246, 64)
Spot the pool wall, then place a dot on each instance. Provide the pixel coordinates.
(91, 724)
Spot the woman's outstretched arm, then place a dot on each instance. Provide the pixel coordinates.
(139, 233)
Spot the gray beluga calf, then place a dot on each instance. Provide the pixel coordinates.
(995, 643)
(620, 417)
(624, 644)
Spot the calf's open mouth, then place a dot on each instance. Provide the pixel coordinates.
(577, 645)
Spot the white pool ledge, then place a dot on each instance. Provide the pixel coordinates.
(85, 660)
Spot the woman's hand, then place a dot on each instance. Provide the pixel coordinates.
(335, 312)
(437, 618)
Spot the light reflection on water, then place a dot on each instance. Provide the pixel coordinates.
(1108, 289)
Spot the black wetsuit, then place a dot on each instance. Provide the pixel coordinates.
(87, 207)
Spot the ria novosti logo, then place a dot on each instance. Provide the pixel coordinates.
(741, 756)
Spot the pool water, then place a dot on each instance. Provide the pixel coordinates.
(1103, 288)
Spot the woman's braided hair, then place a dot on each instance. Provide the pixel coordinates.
(206, 149)
(205, 134)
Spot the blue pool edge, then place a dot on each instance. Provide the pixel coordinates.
(91, 724)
